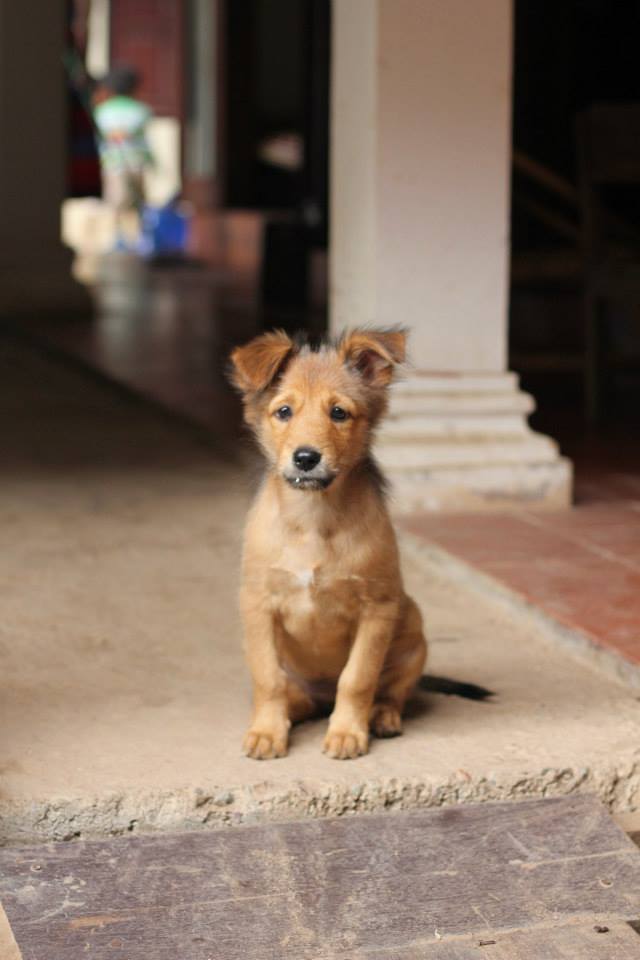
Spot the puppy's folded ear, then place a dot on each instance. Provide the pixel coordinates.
(374, 353)
(256, 365)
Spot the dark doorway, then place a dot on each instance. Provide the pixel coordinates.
(275, 141)
(277, 87)
(572, 60)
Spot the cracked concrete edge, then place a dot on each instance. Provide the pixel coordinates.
(572, 640)
(618, 787)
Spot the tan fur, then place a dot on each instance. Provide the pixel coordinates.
(325, 614)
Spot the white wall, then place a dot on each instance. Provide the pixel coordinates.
(421, 154)
(353, 173)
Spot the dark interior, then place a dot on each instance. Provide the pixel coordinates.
(570, 57)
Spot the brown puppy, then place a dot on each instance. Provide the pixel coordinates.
(325, 614)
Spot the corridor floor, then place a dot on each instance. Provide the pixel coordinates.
(165, 334)
(124, 696)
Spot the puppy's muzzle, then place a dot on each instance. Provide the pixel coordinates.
(308, 472)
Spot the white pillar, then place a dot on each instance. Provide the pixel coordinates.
(420, 174)
(35, 268)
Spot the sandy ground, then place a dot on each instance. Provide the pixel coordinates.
(123, 693)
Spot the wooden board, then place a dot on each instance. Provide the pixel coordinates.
(390, 887)
(582, 942)
(572, 942)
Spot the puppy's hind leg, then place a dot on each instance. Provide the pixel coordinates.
(400, 675)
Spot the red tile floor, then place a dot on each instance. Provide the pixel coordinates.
(581, 566)
(166, 334)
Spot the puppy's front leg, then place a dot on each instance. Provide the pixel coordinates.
(268, 735)
(348, 733)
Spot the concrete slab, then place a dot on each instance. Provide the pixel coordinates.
(123, 695)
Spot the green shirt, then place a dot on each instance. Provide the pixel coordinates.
(121, 122)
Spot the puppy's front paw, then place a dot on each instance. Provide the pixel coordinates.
(345, 745)
(264, 745)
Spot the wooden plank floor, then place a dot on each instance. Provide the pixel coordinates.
(536, 877)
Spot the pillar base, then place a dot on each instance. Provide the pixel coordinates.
(461, 442)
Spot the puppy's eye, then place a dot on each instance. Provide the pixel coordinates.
(284, 413)
(338, 413)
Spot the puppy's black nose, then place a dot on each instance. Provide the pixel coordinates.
(306, 458)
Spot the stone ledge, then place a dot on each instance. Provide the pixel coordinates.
(556, 728)
(228, 805)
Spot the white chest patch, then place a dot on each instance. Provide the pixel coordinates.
(305, 578)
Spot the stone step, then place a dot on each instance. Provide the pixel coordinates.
(396, 454)
(461, 441)
(407, 428)
(455, 383)
(481, 487)
(473, 404)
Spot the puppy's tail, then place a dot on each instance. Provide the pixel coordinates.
(454, 688)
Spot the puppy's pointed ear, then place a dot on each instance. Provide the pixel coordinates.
(374, 353)
(256, 365)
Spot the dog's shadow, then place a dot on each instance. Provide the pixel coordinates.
(424, 700)
(418, 706)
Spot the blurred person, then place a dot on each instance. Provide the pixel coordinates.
(121, 121)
